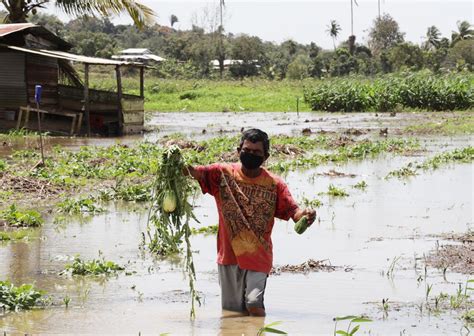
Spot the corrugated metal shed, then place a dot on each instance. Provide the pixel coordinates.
(6, 29)
(10, 30)
(69, 56)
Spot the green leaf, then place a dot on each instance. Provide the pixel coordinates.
(354, 330)
(342, 332)
(361, 319)
(274, 331)
(273, 324)
(348, 317)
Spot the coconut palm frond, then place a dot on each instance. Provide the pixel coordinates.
(140, 14)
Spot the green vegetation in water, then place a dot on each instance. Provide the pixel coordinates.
(311, 203)
(360, 185)
(336, 192)
(206, 230)
(344, 153)
(16, 234)
(20, 218)
(352, 320)
(129, 193)
(411, 91)
(92, 267)
(80, 206)
(15, 298)
(462, 155)
(468, 316)
(460, 124)
(170, 214)
(270, 329)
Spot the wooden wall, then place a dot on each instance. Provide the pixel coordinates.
(43, 71)
(12, 80)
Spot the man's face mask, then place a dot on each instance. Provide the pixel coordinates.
(251, 161)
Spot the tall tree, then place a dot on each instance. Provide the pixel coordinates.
(173, 19)
(19, 10)
(433, 37)
(352, 38)
(384, 34)
(220, 49)
(333, 29)
(465, 32)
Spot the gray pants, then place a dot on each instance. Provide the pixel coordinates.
(241, 289)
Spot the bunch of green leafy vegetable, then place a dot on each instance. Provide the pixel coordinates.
(171, 212)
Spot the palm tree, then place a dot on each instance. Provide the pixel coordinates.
(465, 32)
(19, 10)
(173, 19)
(333, 29)
(433, 37)
(352, 38)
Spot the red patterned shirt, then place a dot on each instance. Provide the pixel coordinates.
(247, 209)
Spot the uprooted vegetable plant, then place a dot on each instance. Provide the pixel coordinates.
(170, 214)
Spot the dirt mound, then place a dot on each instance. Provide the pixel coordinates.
(456, 258)
(286, 150)
(28, 185)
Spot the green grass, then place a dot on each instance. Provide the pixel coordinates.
(460, 124)
(166, 95)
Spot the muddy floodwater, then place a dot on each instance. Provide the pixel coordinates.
(392, 221)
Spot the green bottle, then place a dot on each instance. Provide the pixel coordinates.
(301, 225)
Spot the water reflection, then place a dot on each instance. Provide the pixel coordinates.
(232, 323)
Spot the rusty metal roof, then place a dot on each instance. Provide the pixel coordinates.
(10, 28)
(25, 28)
(70, 57)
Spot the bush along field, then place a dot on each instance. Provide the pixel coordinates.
(413, 91)
(404, 91)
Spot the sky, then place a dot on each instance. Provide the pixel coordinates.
(307, 21)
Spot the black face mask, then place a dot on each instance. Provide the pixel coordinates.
(251, 161)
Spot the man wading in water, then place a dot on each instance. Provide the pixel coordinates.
(248, 199)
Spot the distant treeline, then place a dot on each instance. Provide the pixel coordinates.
(189, 52)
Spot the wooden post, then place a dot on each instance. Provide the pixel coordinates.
(86, 99)
(142, 82)
(119, 99)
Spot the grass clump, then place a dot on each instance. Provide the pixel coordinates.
(336, 192)
(78, 207)
(362, 185)
(15, 235)
(311, 203)
(15, 298)
(92, 267)
(13, 216)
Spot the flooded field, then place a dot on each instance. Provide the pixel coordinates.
(379, 239)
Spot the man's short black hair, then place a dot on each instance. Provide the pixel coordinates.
(255, 135)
